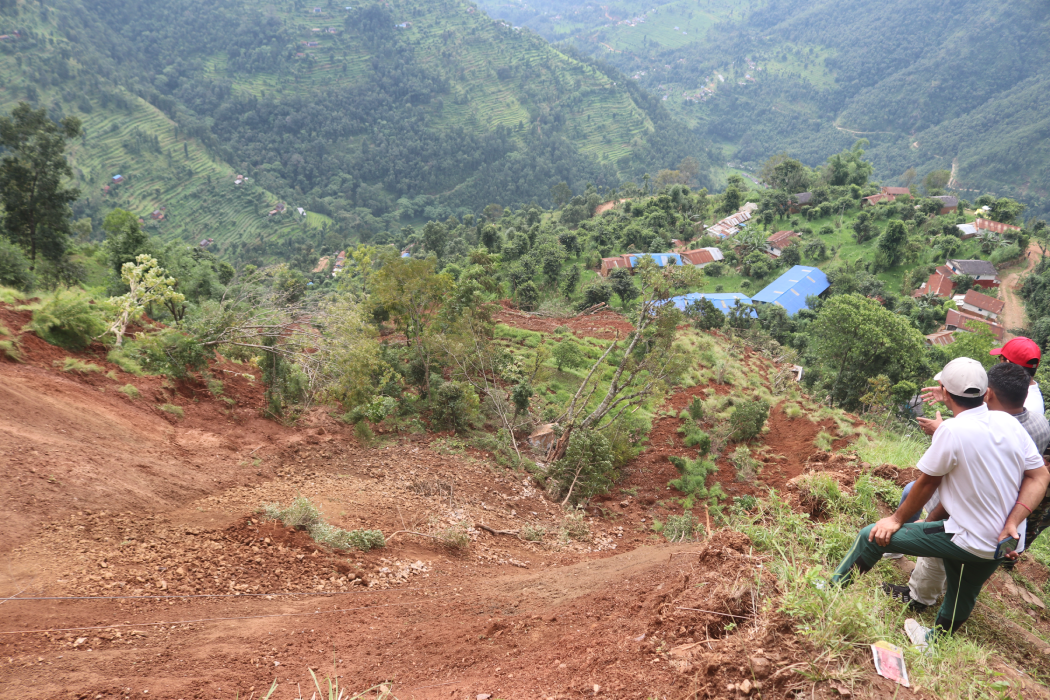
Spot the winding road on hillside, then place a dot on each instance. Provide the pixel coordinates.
(1013, 313)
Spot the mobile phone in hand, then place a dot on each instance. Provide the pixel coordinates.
(1005, 547)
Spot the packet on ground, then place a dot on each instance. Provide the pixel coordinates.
(889, 662)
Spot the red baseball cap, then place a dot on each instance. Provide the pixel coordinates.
(1020, 351)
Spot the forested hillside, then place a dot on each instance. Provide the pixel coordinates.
(930, 84)
(369, 118)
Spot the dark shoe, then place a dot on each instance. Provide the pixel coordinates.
(903, 594)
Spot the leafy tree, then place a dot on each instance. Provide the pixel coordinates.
(572, 280)
(586, 469)
(963, 283)
(1006, 210)
(863, 230)
(520, 397)
(891, 242)
(623, 285)
(853, 339)
(146, 283)
(704, 315)
(791, 256)
(568, 353)
(561, 194)
(784, 173)
(32, 170)
(14, 267)
(849, 167)
(747, 419)
(597, 292)
(935, 182)
(732, 199)
(528, 296)
(125, 239)
(435, 237)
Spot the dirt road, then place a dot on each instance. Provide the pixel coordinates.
(1013, 313)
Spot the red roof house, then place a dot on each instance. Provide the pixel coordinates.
(981, 304)
(610, 264)
(957, 320)
(780, 240)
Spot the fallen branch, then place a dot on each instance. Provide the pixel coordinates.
(712, 612)
(410, 532)
(593, 309)
(486, 528)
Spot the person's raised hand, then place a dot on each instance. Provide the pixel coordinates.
(930, 425)
(883, 530)
(932, 394)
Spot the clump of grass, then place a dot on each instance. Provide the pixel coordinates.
(902, 451)
(120, 358)
(455, 537)
(694, 437)
(131, 391)
(172, 409)
(693, 481)
(696, 409)
(680, 528)
(303, 515)
(215, 387)
(747, 467)
(792, 410)
(574, 527)
(824, 440)
(72, 364)
(10, 349)
(531, 533)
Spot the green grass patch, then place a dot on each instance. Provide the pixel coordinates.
(302, 514)
(889, 448)
(172, 409)
(130, 390)
(72, 364)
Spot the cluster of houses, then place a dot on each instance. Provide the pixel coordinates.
(732, 224)
(340, 263)
(789, 291)
(277, 209)
(698, 257)
(972, 306)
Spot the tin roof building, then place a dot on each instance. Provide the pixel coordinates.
(791, 288)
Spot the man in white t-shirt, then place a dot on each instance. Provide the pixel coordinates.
(1025, 352)
(978, 461)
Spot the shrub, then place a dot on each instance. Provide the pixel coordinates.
(586, 469)
(304, 515)
(568, 353)
(454, 405)
(823, 440)
(747, 467)
(168, 352)
(681, 528)
(14, 267)
(300, 515)
(130, 390)
(532, 534)
(120, 358)
(696, 408)
(68, 321)
(792, 410)
(9, 346)
(694, 437)
(574, 527)
(363, 433)
(72, 364)
(173, 410)
(693, 480)
(748, 418)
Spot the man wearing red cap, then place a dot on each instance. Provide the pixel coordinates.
(1024, 352)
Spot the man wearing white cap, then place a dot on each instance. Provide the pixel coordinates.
(978, 459)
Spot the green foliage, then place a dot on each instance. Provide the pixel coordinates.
(302, 514)
(747, 420)
(568, 353)
(130, 390)
(746, 466)
(173, 410)
(454, 405)
(33, 169)
(824, 440)
(72, 364)
(695, 437)
(531, 533)
(586, 470)
(68, 321)
(681, 528)
(574, 527)
(696, 409)
(693, 481)
(14, 268)
(120, 358)
(168, 351)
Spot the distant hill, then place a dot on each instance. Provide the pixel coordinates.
(929, 84)
(373, 116)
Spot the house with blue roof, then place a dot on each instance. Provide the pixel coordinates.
(661, 259)
(723, 302)
(791, 288)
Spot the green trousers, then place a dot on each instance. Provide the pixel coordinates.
(966, 572)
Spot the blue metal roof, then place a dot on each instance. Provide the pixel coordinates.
(722, 302)
(791, 288)
(661, 259)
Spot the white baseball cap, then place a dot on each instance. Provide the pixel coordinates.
(964, 376)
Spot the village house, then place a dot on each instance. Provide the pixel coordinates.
(238, 180)
(157, 215)
(948, 203)
(994, 226)
(941, 338)
(206, 242)
(780, 240)
(117, 179)
(886, 194)
(983, 272)
(966, 231)
(957, 320)
(939, 284)
(980, 304)
(802, 199)
(896, 191)
(302, 212)
(702, 256)
(789, 291)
